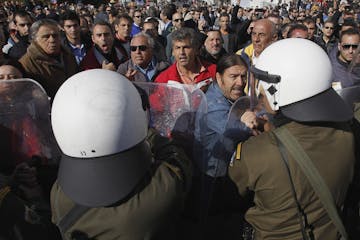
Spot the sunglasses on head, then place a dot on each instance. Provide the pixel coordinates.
(141, 48)
(348, 46)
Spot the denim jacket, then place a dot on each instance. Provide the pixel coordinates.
(217, 136)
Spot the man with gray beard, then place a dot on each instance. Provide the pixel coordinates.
(212, 50)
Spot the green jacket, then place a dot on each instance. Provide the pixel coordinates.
(261, 170)
(148, 213)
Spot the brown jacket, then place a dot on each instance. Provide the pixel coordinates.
(261, 170)
(47, 70)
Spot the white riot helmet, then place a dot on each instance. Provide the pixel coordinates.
(100, 125)
(296, 76)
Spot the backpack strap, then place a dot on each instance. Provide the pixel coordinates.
(71, 217)
(68, 220)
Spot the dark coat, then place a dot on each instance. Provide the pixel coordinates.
(233, 45)
(169, 28)
(19, 48)
(205, 55)
(85, 39)
(90, 61)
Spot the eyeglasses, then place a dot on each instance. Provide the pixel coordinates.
(138, 16)
(179, 20)
(141, 48)
(329, 28)
(348, 46)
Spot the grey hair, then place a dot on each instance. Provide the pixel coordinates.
(186, 33)
(36, 26)
(150, 40)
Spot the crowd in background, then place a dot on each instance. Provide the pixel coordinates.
(49, 43)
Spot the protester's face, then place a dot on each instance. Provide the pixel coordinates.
(84, 26)
(299, 33)
(301, 16)
(23, 25)
(123, 29)
(48, 38)
(347, 47)
(178, 20)
(224, 22)
(276, 21)
(232, 82)
(89, 21)
(196, 16)
(137, 18)
(328, 29)
(184, 53)
(149, 28)
(294, 13)
(131, 12)
(103, 38)
(141, 53)
(72, 29)
(9, 72)
(213, 42)
(262, 36)
(311, 29)
(240, 13)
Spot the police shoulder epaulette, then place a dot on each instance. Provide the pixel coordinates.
(236, 155)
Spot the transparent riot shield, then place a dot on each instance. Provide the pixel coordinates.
(178, 111)
(25, 124)
(27, 151)
(173, 108)
(351, 96)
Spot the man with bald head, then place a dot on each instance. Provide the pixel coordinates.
(263, 34)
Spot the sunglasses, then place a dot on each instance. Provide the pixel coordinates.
(348, 46)
(179, 20)
(329, 28)
(141, 48)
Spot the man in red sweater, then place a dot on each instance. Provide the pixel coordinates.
(188, 68)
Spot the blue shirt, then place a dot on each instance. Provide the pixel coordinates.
(217, 135)
(150, 71)
(79, 53)
(135, 30)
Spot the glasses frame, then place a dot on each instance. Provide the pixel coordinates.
(142, 48)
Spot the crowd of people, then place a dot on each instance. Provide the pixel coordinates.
(117, 178)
